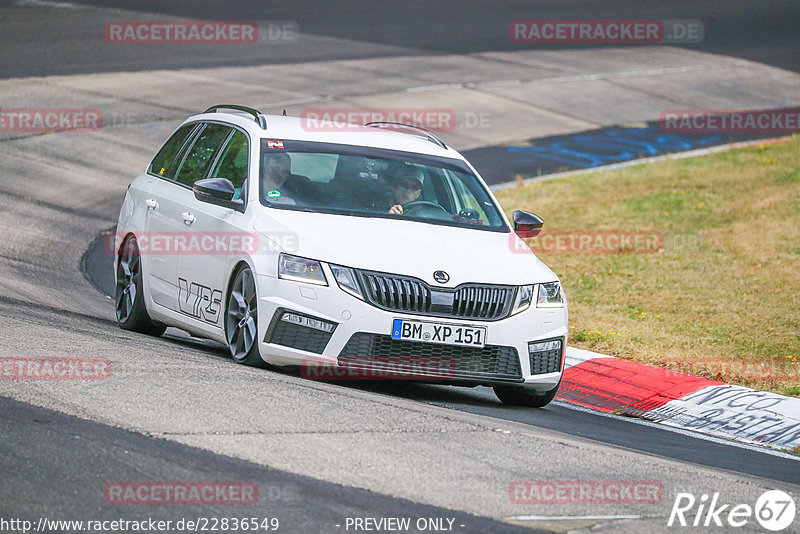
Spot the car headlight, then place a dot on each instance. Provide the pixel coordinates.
(346, 278)
(550, 296)
(301, 270)
(523, 299)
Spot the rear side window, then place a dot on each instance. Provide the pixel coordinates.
(164, 163)
(196, 164)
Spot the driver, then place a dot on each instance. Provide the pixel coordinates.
(406, 187)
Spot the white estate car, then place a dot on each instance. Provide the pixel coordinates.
(358, 251)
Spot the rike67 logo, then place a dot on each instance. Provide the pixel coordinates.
(774, 510)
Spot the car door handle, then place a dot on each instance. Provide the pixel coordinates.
(151, 203)
(188, 218)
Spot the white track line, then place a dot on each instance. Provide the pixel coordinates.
(569, 517)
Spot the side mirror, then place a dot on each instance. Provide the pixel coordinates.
(217, 191)
(527, 224)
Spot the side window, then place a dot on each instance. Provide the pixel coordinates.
(198, 159)
(164, 163)
(467, 204)
(233, 162)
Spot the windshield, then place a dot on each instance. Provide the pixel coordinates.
(367, 182)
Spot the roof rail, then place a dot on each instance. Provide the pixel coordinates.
(260, 119)
(409, 129)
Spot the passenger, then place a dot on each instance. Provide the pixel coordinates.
(278, 183)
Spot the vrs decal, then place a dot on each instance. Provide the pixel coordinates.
(198, 301)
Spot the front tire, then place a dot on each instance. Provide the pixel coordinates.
(241, 320)
(517, 396)
(129, 296)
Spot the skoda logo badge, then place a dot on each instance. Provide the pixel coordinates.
(441, 277)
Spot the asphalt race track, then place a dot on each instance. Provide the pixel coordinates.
(471, 26)
(177, 408)
(560, 416)
(302, 504)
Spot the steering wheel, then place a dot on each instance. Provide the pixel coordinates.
(418, 205)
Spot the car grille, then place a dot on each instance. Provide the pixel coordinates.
(299, 337)
(396, 293)
(406, 294)
(482, 302)
(490, 362)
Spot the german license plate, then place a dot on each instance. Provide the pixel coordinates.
(445, 334)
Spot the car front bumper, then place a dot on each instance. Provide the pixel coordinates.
(361, 339)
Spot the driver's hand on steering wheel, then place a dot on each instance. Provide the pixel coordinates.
(397, 209)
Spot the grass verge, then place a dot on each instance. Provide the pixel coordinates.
(722, 299)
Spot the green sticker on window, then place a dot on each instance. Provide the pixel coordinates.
(274, 193)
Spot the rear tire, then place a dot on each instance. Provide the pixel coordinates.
(241, 320)
(129, 296)
(517, 396)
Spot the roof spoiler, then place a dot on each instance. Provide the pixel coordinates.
(259, 117)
